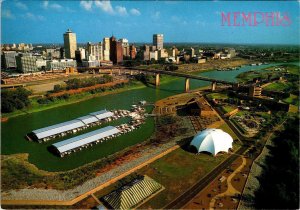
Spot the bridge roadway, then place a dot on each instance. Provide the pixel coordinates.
(184, 198)
(176, 74)
(190, 76)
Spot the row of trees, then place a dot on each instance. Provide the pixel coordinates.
(14, 99)
(84, 82)
(87, 82)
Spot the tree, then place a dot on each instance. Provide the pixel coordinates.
(14, 99)
(57, 88)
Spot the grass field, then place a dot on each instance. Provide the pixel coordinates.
(293, 99)
(228, 108)
(264, 115)
(217, 96)
(293, 69)
(277, 86)
(178, 171)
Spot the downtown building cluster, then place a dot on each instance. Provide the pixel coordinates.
(25, 59)
(109, 51)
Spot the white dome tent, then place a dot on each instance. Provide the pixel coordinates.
(212, 141)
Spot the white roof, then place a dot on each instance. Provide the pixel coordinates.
(212, 140)
(86, 138)
(73, 124)
(102, 114)
(88, 119)
(58, 128)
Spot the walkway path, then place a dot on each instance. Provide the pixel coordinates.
(96, 199)
(231, 191)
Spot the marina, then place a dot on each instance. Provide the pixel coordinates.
(86, 140)
(73, 126)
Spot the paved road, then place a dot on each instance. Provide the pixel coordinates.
(195, 189)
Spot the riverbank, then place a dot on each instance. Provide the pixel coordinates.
(256, 169)
(76, 98)
(212, 65)
(209, 65)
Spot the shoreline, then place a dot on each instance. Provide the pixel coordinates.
(81, 98)
(6, 116)
(137, 85)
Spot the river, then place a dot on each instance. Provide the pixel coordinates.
(14, 130)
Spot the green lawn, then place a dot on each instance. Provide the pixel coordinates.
(277, 86)
(178, 171)
(228, 108)
(241, 113)
(264, 115)
(217, 96)
(293, 69)
(293, 99)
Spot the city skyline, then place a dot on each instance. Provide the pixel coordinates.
(137, 21)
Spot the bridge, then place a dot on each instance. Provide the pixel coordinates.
(163, 72)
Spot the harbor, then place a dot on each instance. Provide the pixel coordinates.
(75, 144)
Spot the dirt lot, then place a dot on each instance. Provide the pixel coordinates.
(213, 64)
(43, 88)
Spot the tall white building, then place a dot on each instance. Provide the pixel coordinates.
(70, 44)
(106, 49)
(125, 46)
(95, 51)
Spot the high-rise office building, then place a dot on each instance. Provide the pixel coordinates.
(125, 46)
(95, 51)
(80, 55)
(132, 52)
(106, 49)
(146, 52)
(70, 44)
(116, 51)
(158, 41)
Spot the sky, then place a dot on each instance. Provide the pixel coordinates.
(193, 21)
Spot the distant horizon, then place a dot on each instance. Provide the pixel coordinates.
(167, 43)
(199, 22)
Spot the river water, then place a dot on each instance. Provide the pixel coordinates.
(14, 130)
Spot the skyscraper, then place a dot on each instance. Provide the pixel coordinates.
(132, 52)
(116, 51)
(106, 48)
(146, 52)
(70, 44)
(158, 41)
